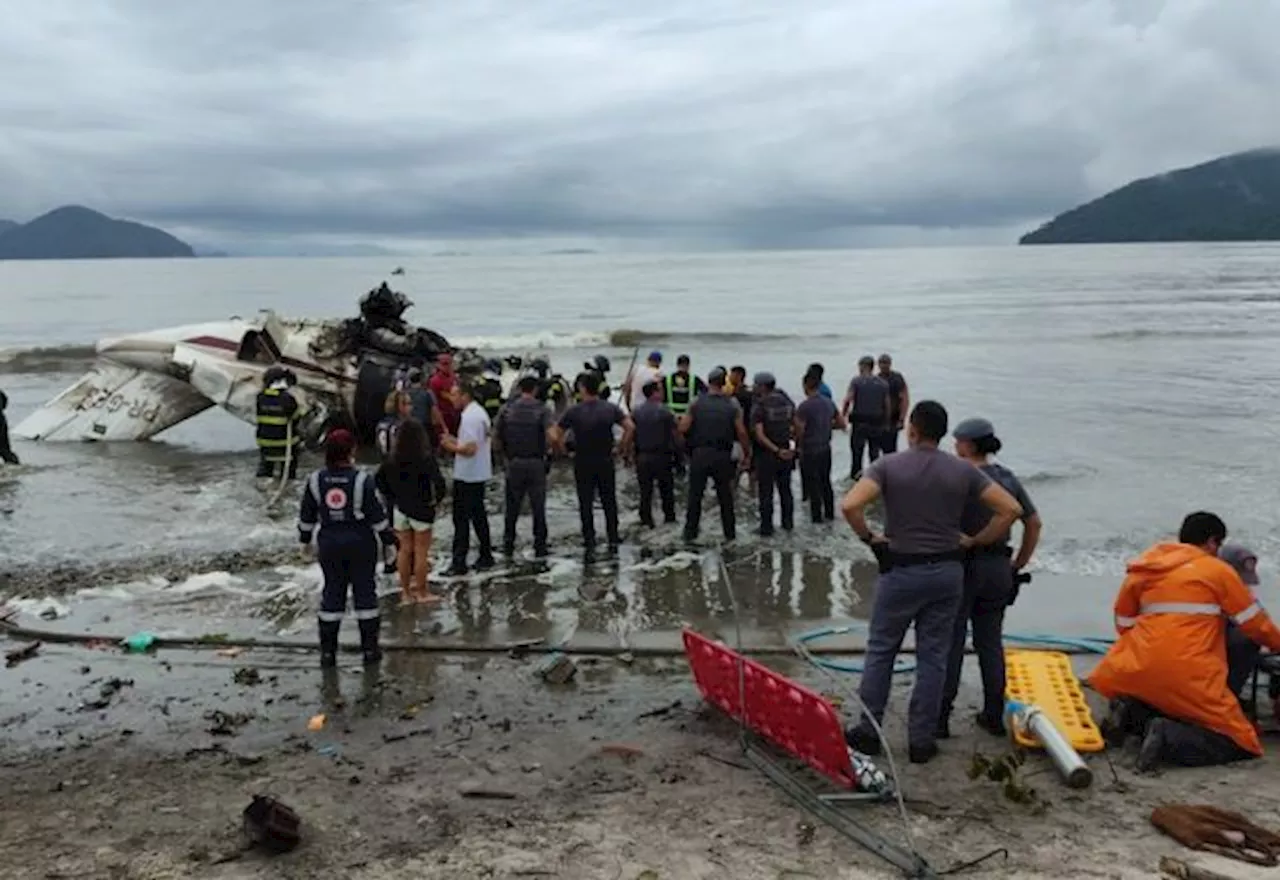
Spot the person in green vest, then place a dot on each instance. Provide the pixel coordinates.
(681, 389)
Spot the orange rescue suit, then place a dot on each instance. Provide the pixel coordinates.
(1171, 614)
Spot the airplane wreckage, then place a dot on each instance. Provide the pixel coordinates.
(143, 384)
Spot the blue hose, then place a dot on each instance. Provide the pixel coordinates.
(1090, 644)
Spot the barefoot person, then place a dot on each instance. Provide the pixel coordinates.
(411, 479)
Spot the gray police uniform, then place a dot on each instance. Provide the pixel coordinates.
(867, 419)
(711, 437)
(655, 440)
(344, 504)
(776, 413)
(522, 430)
(988, 590)
(925, 494)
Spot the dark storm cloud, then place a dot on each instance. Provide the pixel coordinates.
(750, 122)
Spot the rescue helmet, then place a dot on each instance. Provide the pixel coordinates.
(540, 365)
(601, 363)
(494, 366)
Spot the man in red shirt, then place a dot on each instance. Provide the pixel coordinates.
(442, 381)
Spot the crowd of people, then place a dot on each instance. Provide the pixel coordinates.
(947, 564)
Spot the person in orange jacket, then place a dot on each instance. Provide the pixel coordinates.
(1166, 675)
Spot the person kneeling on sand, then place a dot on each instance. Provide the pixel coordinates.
(1166, 675)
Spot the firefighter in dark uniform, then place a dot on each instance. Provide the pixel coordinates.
(489, 388)
(278, 416)
(599, 367)
(341, 499)
(553, 388)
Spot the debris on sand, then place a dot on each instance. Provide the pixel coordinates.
(558, 669)
(19, 655)
(109, 689)
(487, 791)
(247, 675)
(227, 723)
(272, 825)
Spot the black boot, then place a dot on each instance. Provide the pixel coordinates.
(329, 643)
(369, 640)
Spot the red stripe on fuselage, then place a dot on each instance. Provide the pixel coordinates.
(228, 345)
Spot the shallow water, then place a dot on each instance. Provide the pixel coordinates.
(1130, 385)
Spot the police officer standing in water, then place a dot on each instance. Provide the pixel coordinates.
(592, 423)
(521, 435)
(710, 428)
(921, 552)
(899, 402)
(278, 418)
(868, 409)
(773, 423)
(341, 501)
(656, 445)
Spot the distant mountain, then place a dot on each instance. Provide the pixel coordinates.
(76, 233)
(1233, 198)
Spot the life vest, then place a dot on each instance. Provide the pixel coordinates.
(1171, 615)
(679, 392)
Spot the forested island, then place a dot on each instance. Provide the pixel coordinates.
(1233, 198)
(73, 232)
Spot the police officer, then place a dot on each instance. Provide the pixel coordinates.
(489, 388)
(989, 574)
(656, 444)
(342, 501)
(710, 428)
(773, 424)
(921, 583)
(278, 417)
(521, 434)
(868, 407)
(591, 422)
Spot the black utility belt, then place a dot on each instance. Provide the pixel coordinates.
(910, 560)
(991, 550)
(525, 457)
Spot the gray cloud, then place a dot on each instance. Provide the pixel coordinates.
(748, 123)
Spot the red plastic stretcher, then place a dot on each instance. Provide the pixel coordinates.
(793, 718)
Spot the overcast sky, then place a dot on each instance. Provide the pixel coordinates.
(692, 123)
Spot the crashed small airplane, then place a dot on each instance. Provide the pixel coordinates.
(144, 384)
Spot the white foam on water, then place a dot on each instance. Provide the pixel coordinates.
(545, 339)
(558, 571)
(678, 561)
(36, 607)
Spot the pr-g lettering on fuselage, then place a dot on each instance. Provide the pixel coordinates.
(102, 398)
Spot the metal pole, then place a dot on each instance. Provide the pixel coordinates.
(1065, 758)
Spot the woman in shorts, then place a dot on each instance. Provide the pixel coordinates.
(410, 479)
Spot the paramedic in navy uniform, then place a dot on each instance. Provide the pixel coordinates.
(340, 499)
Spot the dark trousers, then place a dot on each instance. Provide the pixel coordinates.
(988, 584)
(774, 473)
(1242, 657)
(594, 476)
(526, 477)
(889, 439)
(865, 436)
(656, 468)
(815, 477)
(1186, 745)
(271, 462)
(927, 596)
(715, 466)
(348, 559)
(469, 513)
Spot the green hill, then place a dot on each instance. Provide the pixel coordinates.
(77, 233)
(1234, 198)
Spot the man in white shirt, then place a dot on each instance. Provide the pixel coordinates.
(642, 375)
(472, 470)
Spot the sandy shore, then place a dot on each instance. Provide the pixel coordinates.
(144, 780)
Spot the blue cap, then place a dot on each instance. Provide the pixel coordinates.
(973, 429)
(655, 356)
